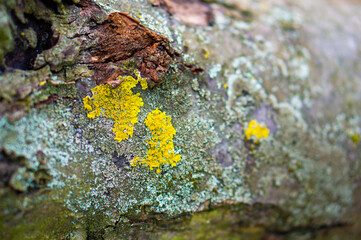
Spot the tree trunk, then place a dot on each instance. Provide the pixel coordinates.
(180, 119)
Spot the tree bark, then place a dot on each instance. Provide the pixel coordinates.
(250, 126)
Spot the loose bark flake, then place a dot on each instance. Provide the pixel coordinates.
(122, 38)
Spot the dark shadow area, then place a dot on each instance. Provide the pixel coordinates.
(23, 55)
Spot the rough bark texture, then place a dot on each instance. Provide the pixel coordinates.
(120, 38)
(292, 65)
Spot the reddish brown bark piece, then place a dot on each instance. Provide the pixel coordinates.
(121, 38)
(190, 12)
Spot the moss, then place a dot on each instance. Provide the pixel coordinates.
(45, 220)
(161, 147)
(118, 103)
(6, 37)
(228, 222)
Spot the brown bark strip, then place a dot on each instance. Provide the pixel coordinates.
(122, 38)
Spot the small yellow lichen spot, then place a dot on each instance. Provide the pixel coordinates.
(135, 161)
(207, 54)
(255, 129)
(42, 83)
(355, 138)
(160, 145)
(143, 81)
(120, 104)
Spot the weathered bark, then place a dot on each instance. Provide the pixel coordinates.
(215, 66)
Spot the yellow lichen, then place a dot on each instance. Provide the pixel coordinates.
(255, 129)
(355, 138)
(160, 145)
(207, 54)
(120, 104)
(42, 83)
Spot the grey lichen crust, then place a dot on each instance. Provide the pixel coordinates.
(259, 63)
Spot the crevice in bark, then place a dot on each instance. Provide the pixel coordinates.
(24, 54)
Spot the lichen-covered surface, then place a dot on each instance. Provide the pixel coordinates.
(291, 66)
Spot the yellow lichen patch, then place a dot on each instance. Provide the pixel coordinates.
(118, 103)
(255, 129)
(207, 54)
(355, 138)
(160, 145)
(42, 83)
